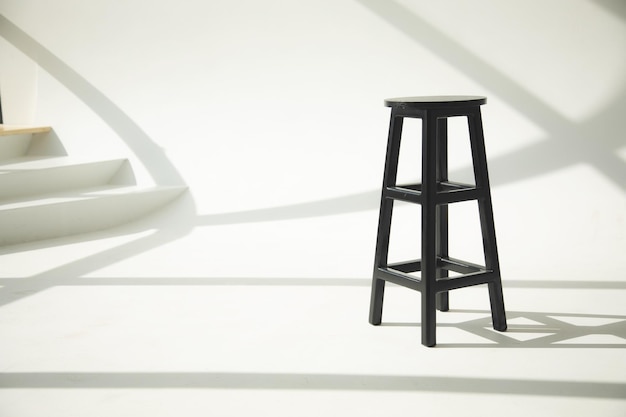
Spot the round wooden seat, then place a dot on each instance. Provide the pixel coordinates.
(435, 102)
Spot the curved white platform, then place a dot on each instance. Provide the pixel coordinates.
(48, 195)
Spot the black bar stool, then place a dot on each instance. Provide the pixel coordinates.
(434, 193)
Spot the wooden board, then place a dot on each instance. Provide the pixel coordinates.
(6, 130)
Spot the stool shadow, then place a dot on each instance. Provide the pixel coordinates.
(538, 330)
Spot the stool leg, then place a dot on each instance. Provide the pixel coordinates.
(443, 303)
(442, 210)
(485, 210)
(380, 260)
(429, 318)
(429, 229)
(376, 301)
(384, 218)
(496, 298)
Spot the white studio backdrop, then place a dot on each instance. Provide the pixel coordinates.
(263, 104)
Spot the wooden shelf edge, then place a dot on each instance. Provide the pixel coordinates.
(6, 130)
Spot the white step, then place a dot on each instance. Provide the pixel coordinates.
(62, 214)
(40, 175)
(15, 140)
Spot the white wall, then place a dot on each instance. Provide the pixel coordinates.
(259, 104)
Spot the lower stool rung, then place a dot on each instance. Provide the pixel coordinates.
(471, 274)
(450, 264)
(457, 265)
(399, 278)
(466, 280)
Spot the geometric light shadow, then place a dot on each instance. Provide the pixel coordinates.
(544, 330)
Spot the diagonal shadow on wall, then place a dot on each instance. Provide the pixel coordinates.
(593, 141)
(153, 157)
(616, 7)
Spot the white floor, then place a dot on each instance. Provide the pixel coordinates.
(265, 313)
